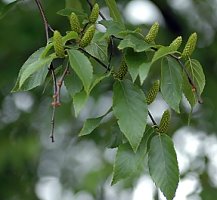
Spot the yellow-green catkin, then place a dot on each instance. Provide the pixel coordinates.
(74, 23)
(164, 122)
(121, 73)
(88, 36)
(152, 34)
(94, 13)
(58, 44)
(190, 46)
(152, 93)
(176, 43)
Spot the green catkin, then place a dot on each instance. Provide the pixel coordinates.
(152, 93)
(190, 46)
(58, 44)
(88, 36)
(152, 34)
(176, 43)
(74, 23)
(94, 13)
(121, 73)
(164, 122)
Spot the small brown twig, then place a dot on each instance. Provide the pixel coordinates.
(47, 27)
(152, 119)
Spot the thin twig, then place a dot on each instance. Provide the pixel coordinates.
(96, 59)
(53, 124)
(152, 119)
(54, 102)
(47, 27)
(110, 48)
(60, 82)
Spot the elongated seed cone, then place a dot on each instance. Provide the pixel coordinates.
(88, 36)
(176, 43)
(94, 13)
(190, 46)
(58, 44)
(164, 122)
(74, 23)
(152, 93)
(152, 34)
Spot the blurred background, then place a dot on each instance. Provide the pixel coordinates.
(31, 167)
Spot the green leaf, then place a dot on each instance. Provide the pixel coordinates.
(98, 47)
(67, 12)
(112, 28)
(33, 72)
(163, 165)
(171, 82)
(161, 52)
(97, 78)
(71, 35)
(138, 44)
(114, 12)
(127, 163)
(130, 108)
(196, 73)
(33, 81)
(134, 60)
(91, 124)
(79, 101)
(144, 70)
(188, 92)
(73, 83)
(82, 66)
(5, 9)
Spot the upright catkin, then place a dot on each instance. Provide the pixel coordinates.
(58, 44)
(152, 93)
(190, 46)
(176, 43)
(88, 36)
(74, 23)
(94, 13)
(152, 34)
(164, 122)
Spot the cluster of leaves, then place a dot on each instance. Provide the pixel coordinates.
(84, 46)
